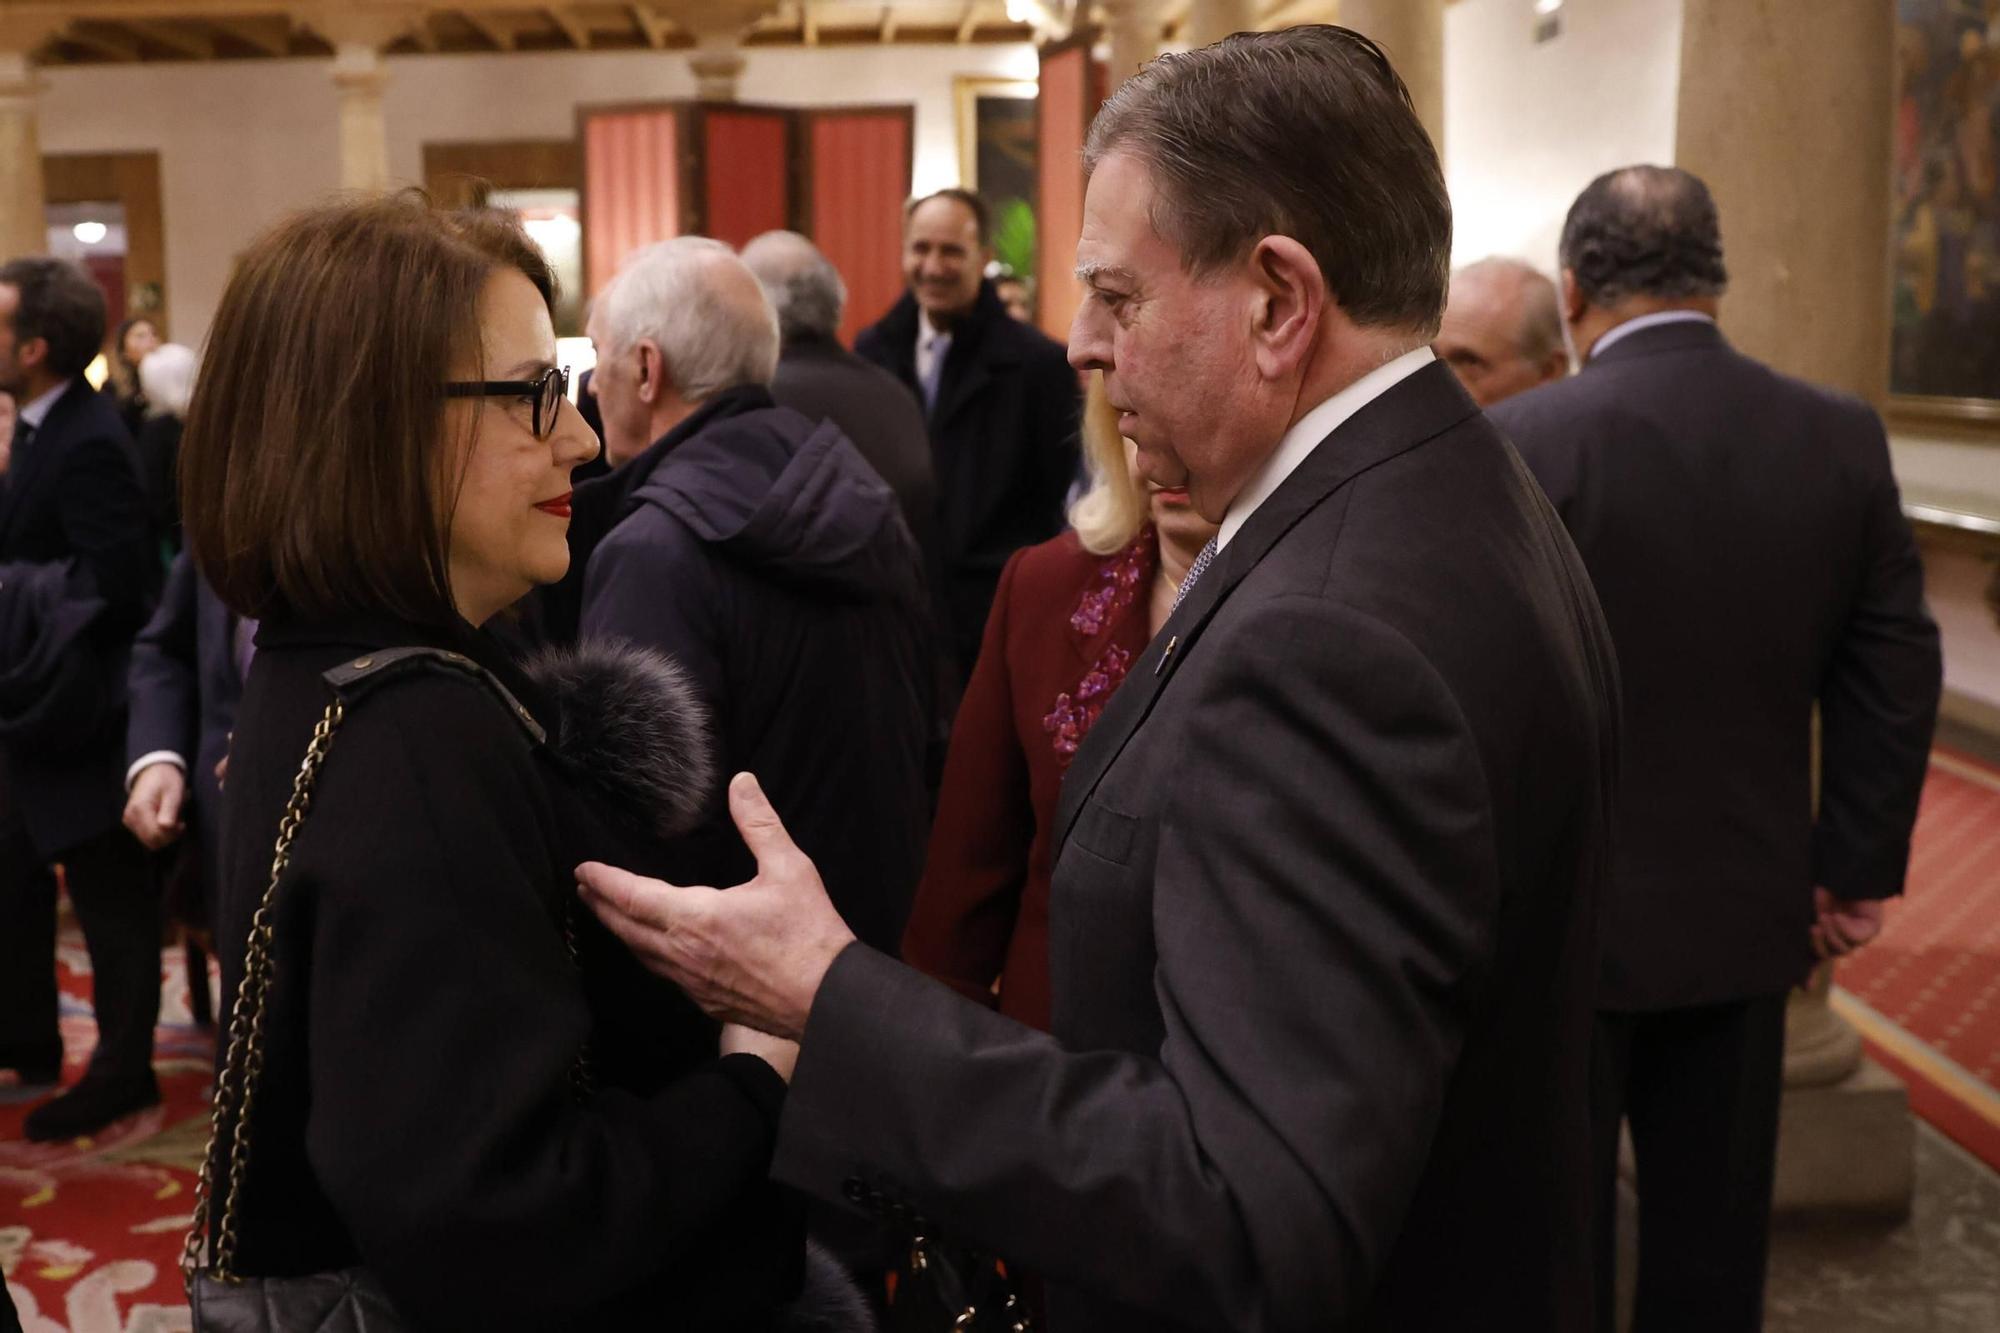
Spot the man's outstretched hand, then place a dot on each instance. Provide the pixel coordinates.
(754, 955)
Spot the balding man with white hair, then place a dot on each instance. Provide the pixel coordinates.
(1502, 331)
(757, 548)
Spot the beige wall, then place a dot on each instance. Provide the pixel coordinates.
(1527, 126)
(241, 143)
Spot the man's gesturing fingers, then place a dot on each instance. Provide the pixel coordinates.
(763, 832)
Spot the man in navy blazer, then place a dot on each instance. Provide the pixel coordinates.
(1745, 535)
(1323, 907)
(73, 493)
(186, 680)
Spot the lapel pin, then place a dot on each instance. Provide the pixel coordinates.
(1171, 644)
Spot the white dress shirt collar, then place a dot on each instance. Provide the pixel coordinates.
(932, 343)
(1653, 321)
(37, 411)
(1309, 430)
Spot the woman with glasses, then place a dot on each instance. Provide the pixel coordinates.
(461, 1087)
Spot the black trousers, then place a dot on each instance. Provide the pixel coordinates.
(118, 906)
(1700, 1088)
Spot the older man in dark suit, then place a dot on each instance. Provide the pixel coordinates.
(1324, 903)
(1744, 532)
(73, 493)
(1000, 399)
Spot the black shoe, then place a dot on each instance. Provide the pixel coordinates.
(92, 1104)
(35, 1064)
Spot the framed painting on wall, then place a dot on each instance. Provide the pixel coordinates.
(997, 157)
(1945, 219)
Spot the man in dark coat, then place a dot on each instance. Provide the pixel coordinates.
(824, 381)
(1000, 399)
(758, 549)
(1744, 532)
(1323, 911)
(73, 493)
(186, 679)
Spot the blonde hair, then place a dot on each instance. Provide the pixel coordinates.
(1108, 515)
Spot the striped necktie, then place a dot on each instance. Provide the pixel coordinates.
(1195, 571)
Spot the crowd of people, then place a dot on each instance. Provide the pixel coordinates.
(1221, 824)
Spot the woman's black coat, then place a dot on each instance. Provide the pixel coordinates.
(417, 1113)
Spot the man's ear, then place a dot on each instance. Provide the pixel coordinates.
(652, 372)
(1572, 297)
(1291, 298)
(31, 352)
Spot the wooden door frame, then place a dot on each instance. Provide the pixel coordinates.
(132, 180)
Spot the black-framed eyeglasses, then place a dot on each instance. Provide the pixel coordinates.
(546, 391)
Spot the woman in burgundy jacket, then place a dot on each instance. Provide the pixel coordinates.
(1070, 617)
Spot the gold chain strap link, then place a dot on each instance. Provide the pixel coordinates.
(243, 1061)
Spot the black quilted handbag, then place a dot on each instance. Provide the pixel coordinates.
(349, 1301)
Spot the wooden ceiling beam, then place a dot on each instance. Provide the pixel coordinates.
(887, 32)
(271, 36)
(110, 42)
(653, 25)
(501, 35)
(572, 25)
(193, 43)
(808, 23)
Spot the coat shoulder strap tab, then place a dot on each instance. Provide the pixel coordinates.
(355, 679)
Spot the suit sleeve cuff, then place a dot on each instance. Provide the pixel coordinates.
(146, 761)
(754, 1077)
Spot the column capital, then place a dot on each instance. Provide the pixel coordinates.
(717, 23)
(345, 25)
(20, 82)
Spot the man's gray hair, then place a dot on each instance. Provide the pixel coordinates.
(698, 302)
(1644, 231)
(1539, 335)
(802, 283)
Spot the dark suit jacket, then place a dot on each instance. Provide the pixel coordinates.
(1745, 536)
(1066, 627)
(824, 381)
(1004, 441)
(184, 683)
(1323, 937)
(74, 493)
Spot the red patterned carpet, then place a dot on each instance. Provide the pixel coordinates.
(1926, 996)
(90, 1231)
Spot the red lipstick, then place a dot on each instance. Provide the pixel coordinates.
(558, 506)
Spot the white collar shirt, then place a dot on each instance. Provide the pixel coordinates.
(1306, 434)
(1653, 321)
(37, 411)
(933, 343)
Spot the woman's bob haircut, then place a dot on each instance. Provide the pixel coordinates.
(316, 481)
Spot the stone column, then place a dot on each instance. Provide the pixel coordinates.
(1786, 109)
(1133, 28)
(24, 227)
(23, 210)
(360, 75)
(717, 64)
(718, 27)
(1210, 21)
(1412, 32)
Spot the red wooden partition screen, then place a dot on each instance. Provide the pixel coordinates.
(747, 158)
(840, 175)
(631, 185)
(1072, 86)
(859, 164)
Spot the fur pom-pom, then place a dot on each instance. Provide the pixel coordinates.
(630, 728)
(830, 1302)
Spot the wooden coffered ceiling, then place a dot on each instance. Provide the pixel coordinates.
(127, 31)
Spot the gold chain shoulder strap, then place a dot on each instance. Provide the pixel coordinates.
(243, 1063)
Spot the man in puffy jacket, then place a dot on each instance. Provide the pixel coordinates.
(759, 549)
